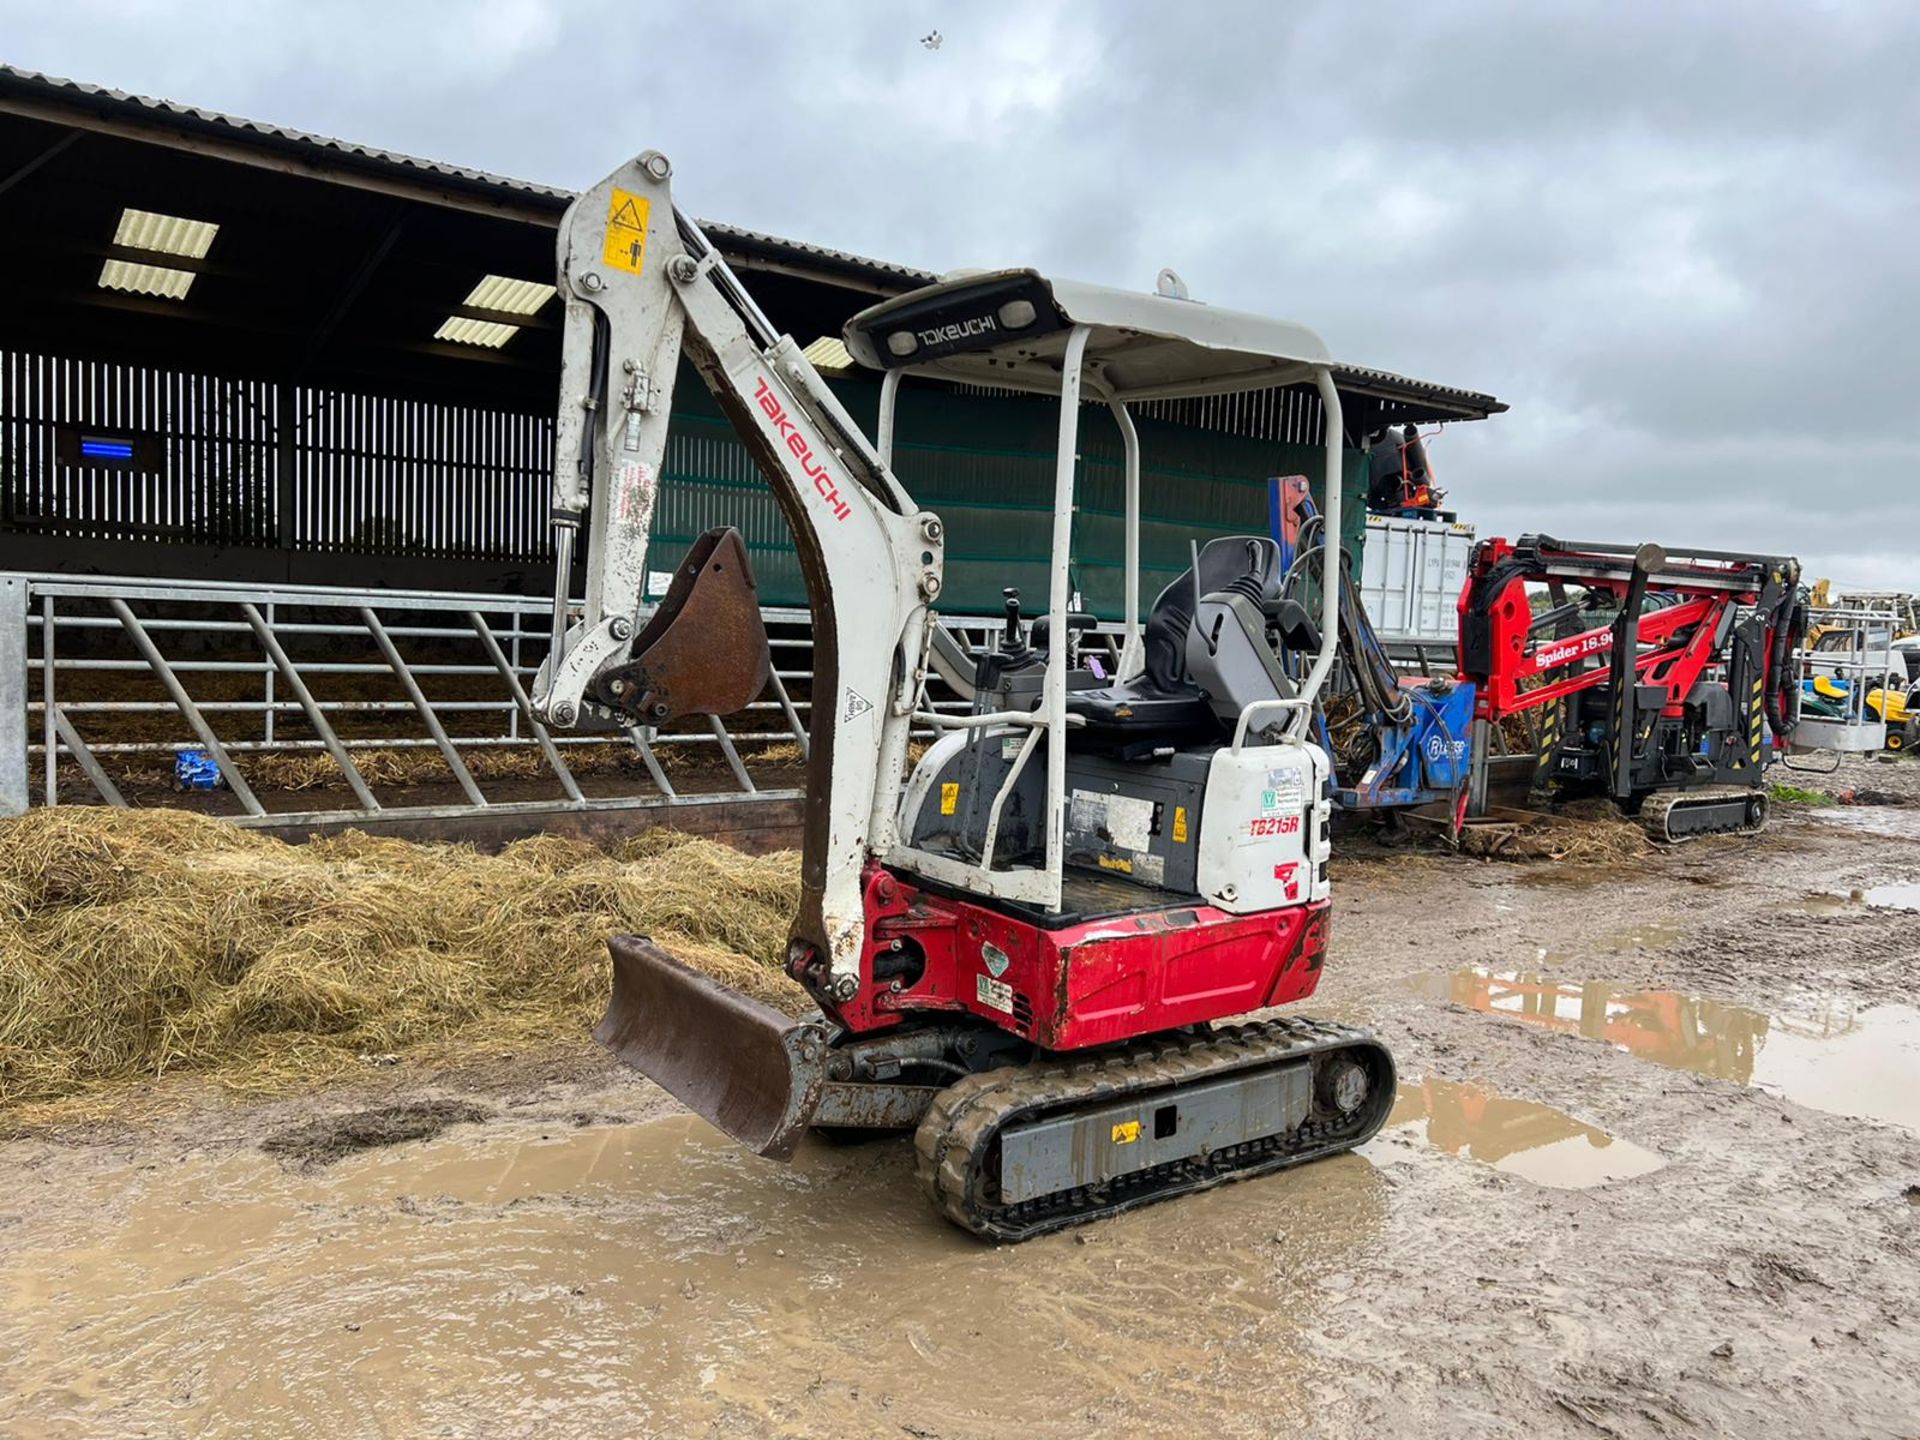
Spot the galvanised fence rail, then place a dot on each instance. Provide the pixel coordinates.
(101, 677)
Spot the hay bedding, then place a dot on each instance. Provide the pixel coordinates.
(135, 942)
(302, 770)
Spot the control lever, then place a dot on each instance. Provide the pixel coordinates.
(1012, 640)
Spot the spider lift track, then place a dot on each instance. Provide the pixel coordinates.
(1680, 815)
(1019, 1151)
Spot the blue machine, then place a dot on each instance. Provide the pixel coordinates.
(1419, 761)
(1415, 738)
(195, 770)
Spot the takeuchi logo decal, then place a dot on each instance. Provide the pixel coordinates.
(959, 330)
(799, 447)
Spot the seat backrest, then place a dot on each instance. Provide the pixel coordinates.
(1229, 658)
(1246, 564)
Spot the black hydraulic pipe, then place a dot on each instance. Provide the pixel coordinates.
(1624, 673)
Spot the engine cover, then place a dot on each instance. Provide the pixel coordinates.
(1263, 830)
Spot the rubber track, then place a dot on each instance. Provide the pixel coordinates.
(957, 1132)
(1656, 808)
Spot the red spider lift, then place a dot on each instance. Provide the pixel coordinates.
(1664, 682)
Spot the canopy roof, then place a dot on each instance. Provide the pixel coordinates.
(1009, 329)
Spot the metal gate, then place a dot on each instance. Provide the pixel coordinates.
(101, 677)
(285, 692)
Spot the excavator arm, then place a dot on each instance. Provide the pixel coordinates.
(642, 286)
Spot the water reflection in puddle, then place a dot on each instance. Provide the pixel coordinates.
(1902, 821)
(1902, 895)
(1834, 1054)
(1517, 1137)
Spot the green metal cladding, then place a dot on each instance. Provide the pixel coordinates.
(984, 464)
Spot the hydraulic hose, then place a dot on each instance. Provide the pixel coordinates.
(1782, 701)
(1373, 674)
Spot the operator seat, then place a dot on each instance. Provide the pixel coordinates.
(1228, 654)
(1173, 703)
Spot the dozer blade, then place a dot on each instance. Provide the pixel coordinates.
(739, 1065)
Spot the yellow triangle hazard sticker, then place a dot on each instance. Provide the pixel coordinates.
(626, 245)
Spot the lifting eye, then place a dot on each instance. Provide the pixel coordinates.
(1166, 1122)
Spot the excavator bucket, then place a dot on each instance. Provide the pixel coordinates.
(739, 1065)
(704, 651)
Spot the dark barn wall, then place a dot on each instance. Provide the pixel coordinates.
(985, 464)
(246, 478)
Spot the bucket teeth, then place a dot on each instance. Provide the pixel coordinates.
(738, 1064)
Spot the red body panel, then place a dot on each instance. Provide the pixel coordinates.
(1088, 984)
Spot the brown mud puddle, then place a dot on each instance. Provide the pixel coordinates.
(656, 1280)
(1833, 1054)
(1517, 1137)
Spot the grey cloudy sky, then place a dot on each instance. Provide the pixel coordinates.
(1679, 238)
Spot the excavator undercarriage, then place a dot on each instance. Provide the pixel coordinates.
(1016, 1152)
(1012, 1141)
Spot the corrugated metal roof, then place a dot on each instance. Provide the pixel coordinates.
(514, 297)
(192, 118)
(165, 234)
(1387, 384)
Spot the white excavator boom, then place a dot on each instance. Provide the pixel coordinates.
(642, 286)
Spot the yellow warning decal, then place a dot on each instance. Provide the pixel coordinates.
(949, 797)
(1126, 1133)
(1179, 824)
(627, 230)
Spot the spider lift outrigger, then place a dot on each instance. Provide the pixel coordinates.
(1022, 947)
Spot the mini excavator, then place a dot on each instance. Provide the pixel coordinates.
(1023, 945)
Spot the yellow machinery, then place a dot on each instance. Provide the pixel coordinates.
(1899, 711)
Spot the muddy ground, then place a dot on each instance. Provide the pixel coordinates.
(1655, 1172)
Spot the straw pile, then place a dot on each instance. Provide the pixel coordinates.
(316, 770)
(135, 942)
(1586, 830)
